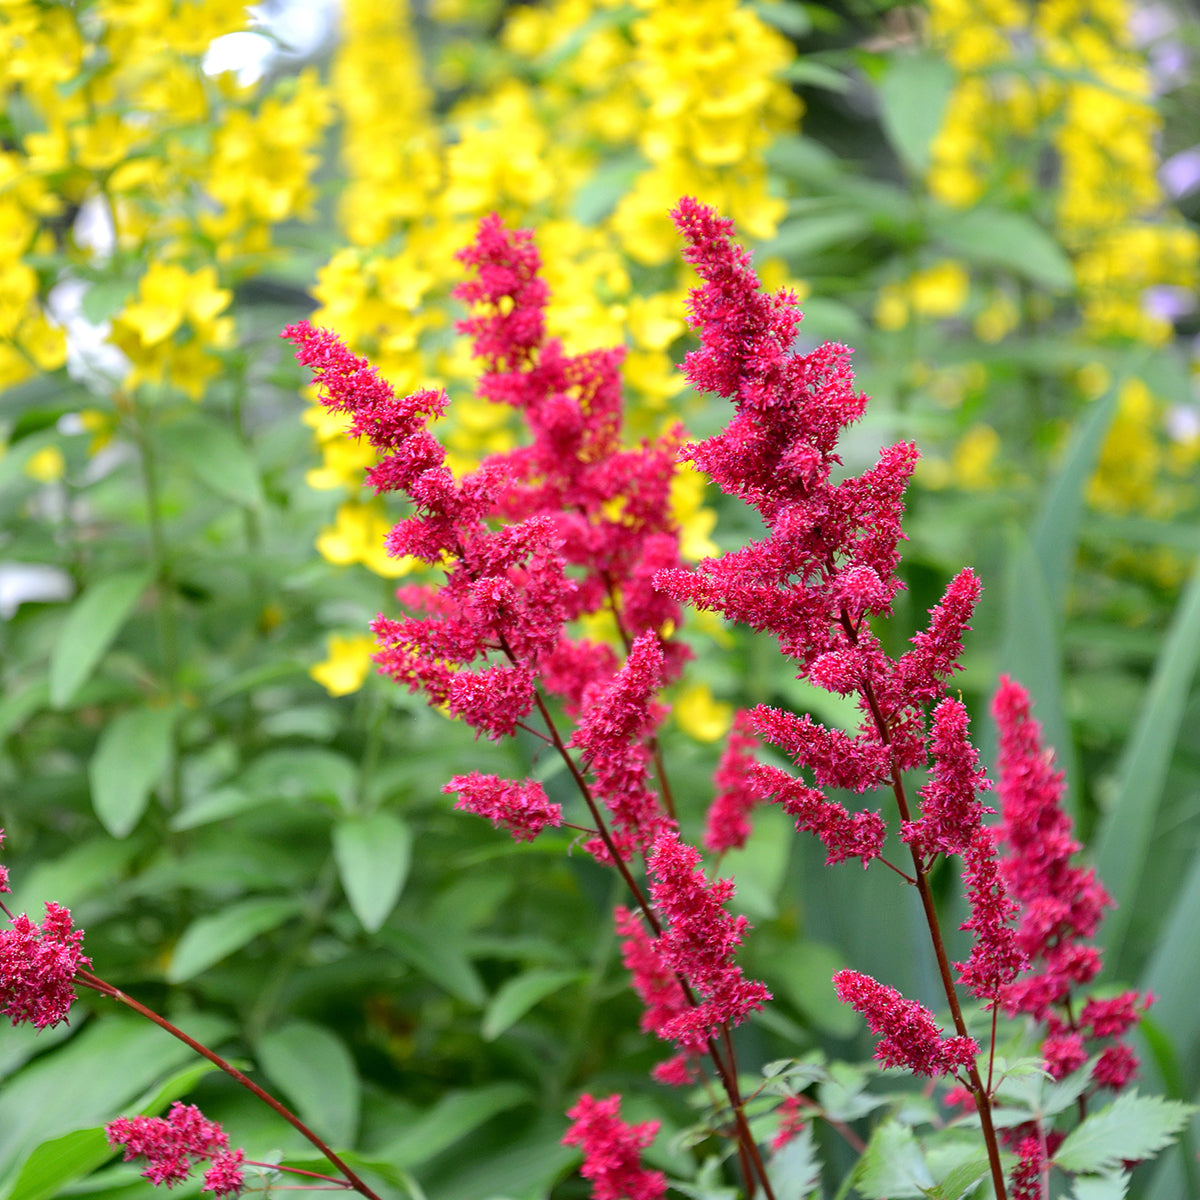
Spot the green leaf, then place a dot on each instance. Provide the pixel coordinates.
(373, 854)
(209, 939)
(317, 1072)
(804, 973)
(892, 1165)
(518, 995)
(913, 97)
(131, 755)
(1122, 849)
(788, 16)
(1173, 975)
(91, 625)
(796, 1169)
(218, 458)
(1132, 1127)
(303, 773)
(960, 1180)
(443, 960)
(59, 1162)
(453, 1117)
(844, 1096)
(1012, 241)
(1102, 1187)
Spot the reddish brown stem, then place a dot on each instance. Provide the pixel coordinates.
(87, 979)
(983, 1101)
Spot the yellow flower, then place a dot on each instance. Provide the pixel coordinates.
(46, 465)
(346, 668)
(974, 458)
(687, 507)
(168, 295)
(357, 536)
(940, 290)
(701, 716)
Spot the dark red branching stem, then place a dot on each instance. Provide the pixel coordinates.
(353, 1180)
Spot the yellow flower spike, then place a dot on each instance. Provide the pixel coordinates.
(700, 715)
(347, 665)
(46, 465)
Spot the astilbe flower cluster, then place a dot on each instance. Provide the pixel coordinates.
(826, 568)
(1060, 905)
(173, 1145)
(38, 964)
(569, 525)
(612, 1151)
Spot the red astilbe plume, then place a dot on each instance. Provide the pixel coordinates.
(566, 526)
(521, 807)
(698, 943)
(1060, 905)
(728, 824)
(828, 564)
(173, 1145)
(612, 1151)
(38, 964)
(911, 1038)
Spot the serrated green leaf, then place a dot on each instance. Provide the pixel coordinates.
(1101, 1187)
(960, 1180)
(59, 1162)
(844, 1097)
(892, 1165)
(94, 621)
(373, 854)
(316, 1071)
(131, 755)
(795, 1169)
(209, 939)
(1131, 1128)
(518, 995)
(913, 96)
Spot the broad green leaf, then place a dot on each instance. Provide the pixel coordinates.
(1173, 974)
(788, 16)
(93, 622)
(1131, 1128)
(913, 96)
(995, 237)
(892, 1165)
(1121, 852)
(59, 1162)
(518, 995)
(316, 1071)
(1101, 1187)
(216, 805)
(795, 1168)
(443, 960)
(77, 874)
(131, 755)
(844, 1096)
(808, 234)
(303, 773)
(455, 1115)
(373, 854)
(177, 1085)
(209, 939)
(218, 459)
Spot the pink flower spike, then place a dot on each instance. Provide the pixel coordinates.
(522, 808)
(174, 1144)
(950, 806)
(38, 967)
(996, 958)
(911, 1037)
(612, 1151)
(728, 824)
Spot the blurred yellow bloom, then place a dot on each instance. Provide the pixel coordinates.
(346, 668)
(46, 465)
(940, 290)
(973, 463)
(357, 536)
(701, 716)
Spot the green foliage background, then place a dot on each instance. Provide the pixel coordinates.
(273, 865)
